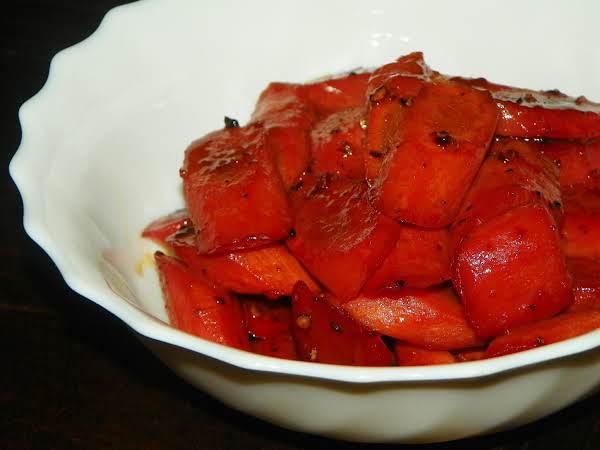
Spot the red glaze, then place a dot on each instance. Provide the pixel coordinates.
(233, 192)
(327, 335)
(337, 144)
(544, 332)
(392, 88)
(409, 355)
(163, 227)
(419, 259)
(287, 116)
(271, 271)
(269, 328)
(197, 307)
(430, 318)
(513, 174)
(339, 237)
(578, 162)
(510, 271)
(546, 114)
(585, 273)
(444, 138)
(336, 94)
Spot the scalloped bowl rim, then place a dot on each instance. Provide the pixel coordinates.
(148, 326)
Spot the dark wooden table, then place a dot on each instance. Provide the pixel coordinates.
(73, 376)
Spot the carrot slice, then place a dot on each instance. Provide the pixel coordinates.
(585, 273)
(409, 355)
(544, 332)
(510, 271)
(271, 271)
(444, 139)
(391, 89)
(269, 328)
(197, 307)
(234, 195)
(339, 237)
(327, 335)
(514, 173)
(163, 227)
(420, 258)
(430, 318)
(544, 114)
(580, 230)
(578, 161)
(337, 144)
(287, 116)
(336, 94)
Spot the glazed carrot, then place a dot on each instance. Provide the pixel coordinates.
(287, 116)
(336, 94)
(409, 355)
(233, 192)
(339, 237)
(197, 307)
(510, 271)
(444, 138)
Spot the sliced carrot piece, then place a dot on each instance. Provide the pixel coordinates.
(234, 195)
(541, 114)
(197, 307)
(160, 229)
(287, 116)
(510, 271)
(578, 161)
(336, 94)
(337, 144)
(327, 335)
(585, 273)
(544, 332)
(420, 258)
(410, 355)
(339, 237)
(443, 142)
(580, 230)
(430, 318)
(271, 271)
(269, 328)
(391, 89)
(514, 173)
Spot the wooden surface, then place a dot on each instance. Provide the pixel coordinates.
(73, 376)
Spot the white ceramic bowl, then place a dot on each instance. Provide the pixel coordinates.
(103, 141)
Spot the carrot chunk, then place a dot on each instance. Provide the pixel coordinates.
(430, 318)
(514, 173)
(578, 162)
(580, 230)
(197, 307)
(444, 139)
(269, 328)
(339, 237)
(163, 227)
(420, 258)
(326, 334)
(336, 94)
(541, 114)
(287, 117)
(391, 89)
(585, 274)
(271, 271)
(544, 332)
(234, 195)
(409, 355)
(337, 144)
(510, 271)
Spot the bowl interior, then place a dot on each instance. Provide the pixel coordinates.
(103, 141)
